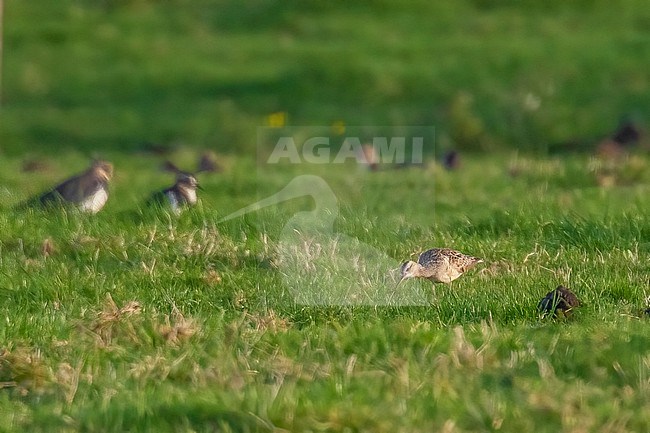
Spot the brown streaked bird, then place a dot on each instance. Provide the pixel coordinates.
(88, 191)
(559, 302)
(438, 265)
(180, 195)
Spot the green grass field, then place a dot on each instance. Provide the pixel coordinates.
(217, 342)
(134, 320)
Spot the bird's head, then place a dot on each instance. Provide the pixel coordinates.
(473, 261)
(187, 180)
(408, 269)
(183, 178)
(103, 170)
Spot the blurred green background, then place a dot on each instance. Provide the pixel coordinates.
(98, 75)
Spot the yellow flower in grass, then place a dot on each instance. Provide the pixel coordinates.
(277, 119)
(338, 127)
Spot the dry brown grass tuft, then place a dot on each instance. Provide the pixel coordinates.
(104, 326)
(22, 368)
(178, 328)
(47, 247)
(67, 377)
(81, 241)
(462, 352)
(269, 321)
(212, 277)
(114, 325)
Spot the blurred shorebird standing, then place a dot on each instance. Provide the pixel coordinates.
(88, 191)
(208, 162)
(451, 160)
(439, 265)
(180, 195)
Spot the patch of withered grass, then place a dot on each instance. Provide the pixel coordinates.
(269, 321)
(177, 328)
(113, 321)
(22, 368)
(113, 326)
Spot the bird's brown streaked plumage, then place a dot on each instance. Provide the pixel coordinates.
(88, 190)
(439, 265)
